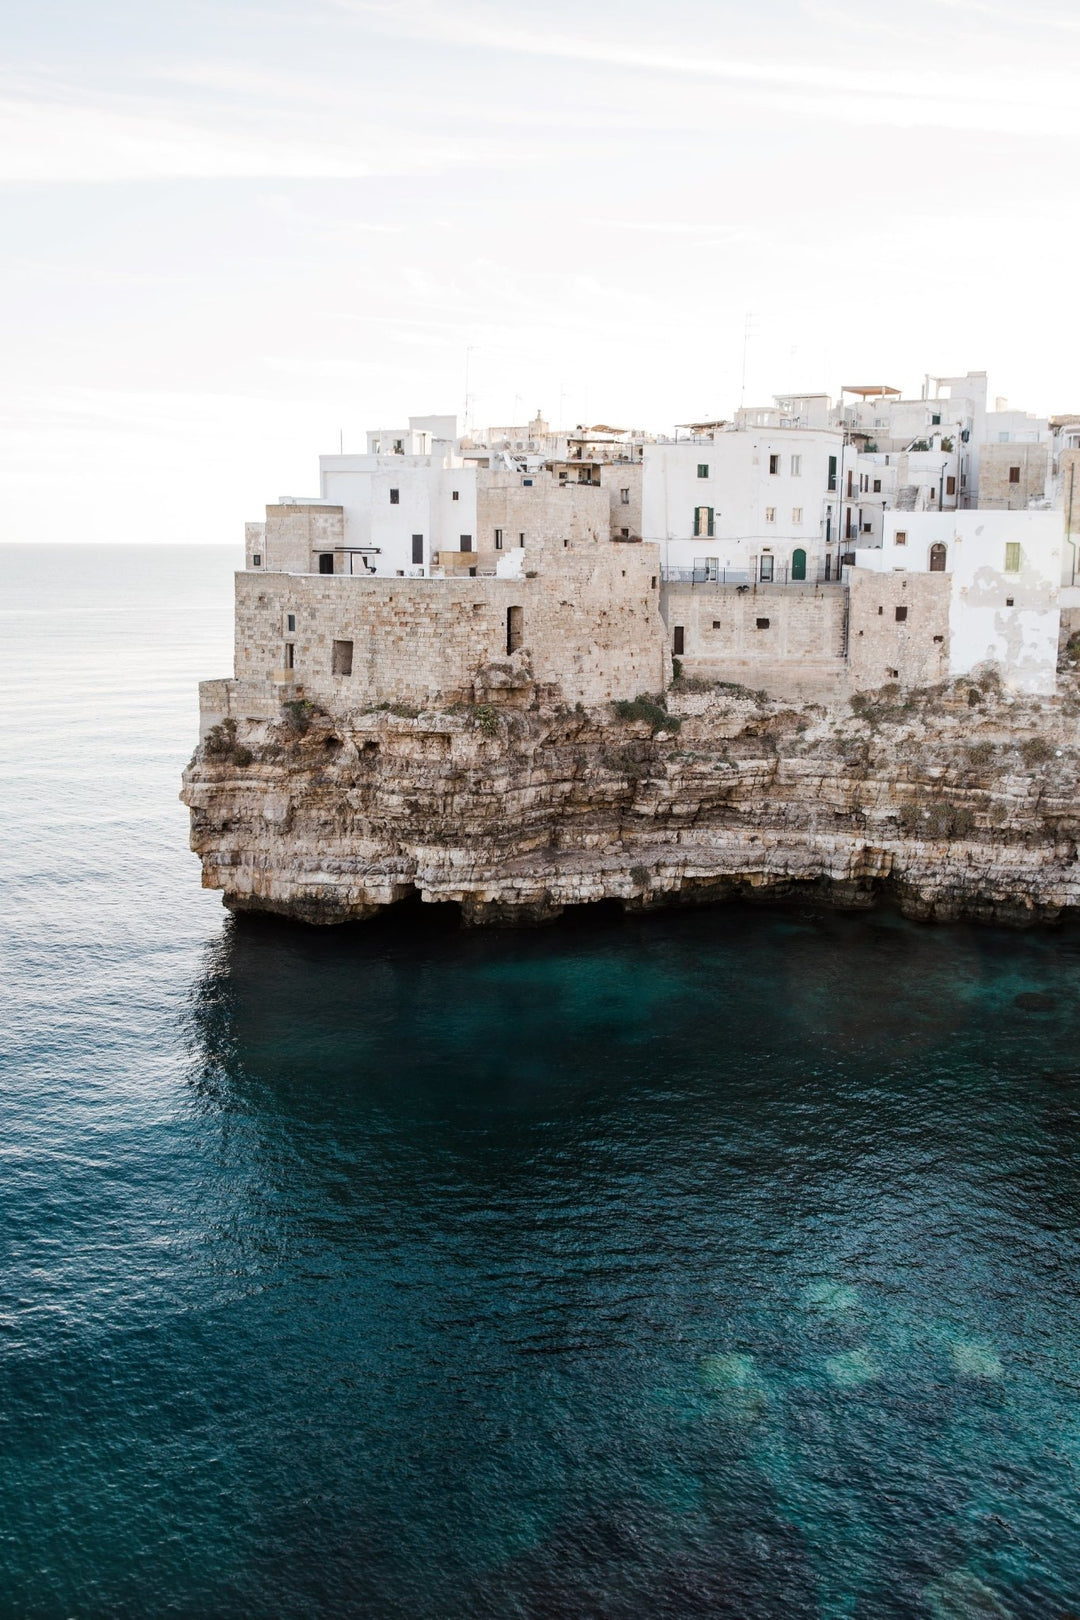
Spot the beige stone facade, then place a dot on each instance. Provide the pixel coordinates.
(583, 620)
(1012, 475)
(898, 628)
(294, 537)
(785, 639)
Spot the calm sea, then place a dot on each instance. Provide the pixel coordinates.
(721, 1264)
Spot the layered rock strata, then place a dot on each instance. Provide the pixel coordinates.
(964, 804)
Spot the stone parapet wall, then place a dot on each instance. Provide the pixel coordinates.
(587, 623)
(785, 639)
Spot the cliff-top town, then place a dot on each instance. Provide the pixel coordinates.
(809, 548)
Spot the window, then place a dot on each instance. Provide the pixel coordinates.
(290, 655)
(521, 539)
(774, 464)
(515, 628)
(453, 494)
(417, 549)
(950, 485)
(290, 622)
(901, 615)
(678, 640)
(466, 542)
(703, 520)
(1012, 556)
(1009, 601)
(832, 472)
(796, 466)
(652, 583)
(625, 534)
(527, 482)
(763, 624)
(326, 562)
(395, 497)
(256, 559)
(900, 537)
(877, 486)
(717, 624)
(796, 514)
(498, 539)
(770, 514)
(341, 658)
(935, 421)
(765, 572)
(624, 494)
(703, 469)
(1014, 475)
(562, 475)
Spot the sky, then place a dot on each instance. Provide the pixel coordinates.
(235, 235)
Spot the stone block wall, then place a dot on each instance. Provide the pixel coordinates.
(786, 639)
(589, 626)
(295, 535)
(997, 492)
(539, 509)
(620, 476)
(898, 628)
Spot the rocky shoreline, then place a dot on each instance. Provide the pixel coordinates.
(963, 802)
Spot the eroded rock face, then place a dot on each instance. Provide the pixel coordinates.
(952, 809)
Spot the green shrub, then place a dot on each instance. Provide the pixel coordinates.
(676, 669)
(1035, 751)
(220, 744)
(938, 819)
(649, 709)
(296, 715)
(487, 719)
(980, 755)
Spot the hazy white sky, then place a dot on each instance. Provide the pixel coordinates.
(232, 230)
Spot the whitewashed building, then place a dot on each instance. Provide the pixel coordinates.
(997, 602)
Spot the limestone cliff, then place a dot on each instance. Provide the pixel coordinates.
(959, 803)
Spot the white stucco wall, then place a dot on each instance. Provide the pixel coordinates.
(361, 485)
(1007, 618)
(740, 489)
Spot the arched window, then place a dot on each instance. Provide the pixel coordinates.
(937, 558)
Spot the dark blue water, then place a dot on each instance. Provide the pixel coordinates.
(719, 1264)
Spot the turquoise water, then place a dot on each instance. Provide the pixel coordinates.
(718, 1264)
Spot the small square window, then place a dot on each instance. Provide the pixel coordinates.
(466, 542)
(1009, 601)
(900, 537)
(1014, 475)
(395, 497)
(703, 469)
(763, 624)
(774, 464)
(256, 560)
(901, 615)
(527, 482)
(625, 533)
(716, 624)
(893, 674)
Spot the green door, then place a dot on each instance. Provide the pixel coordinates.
(798, 564)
